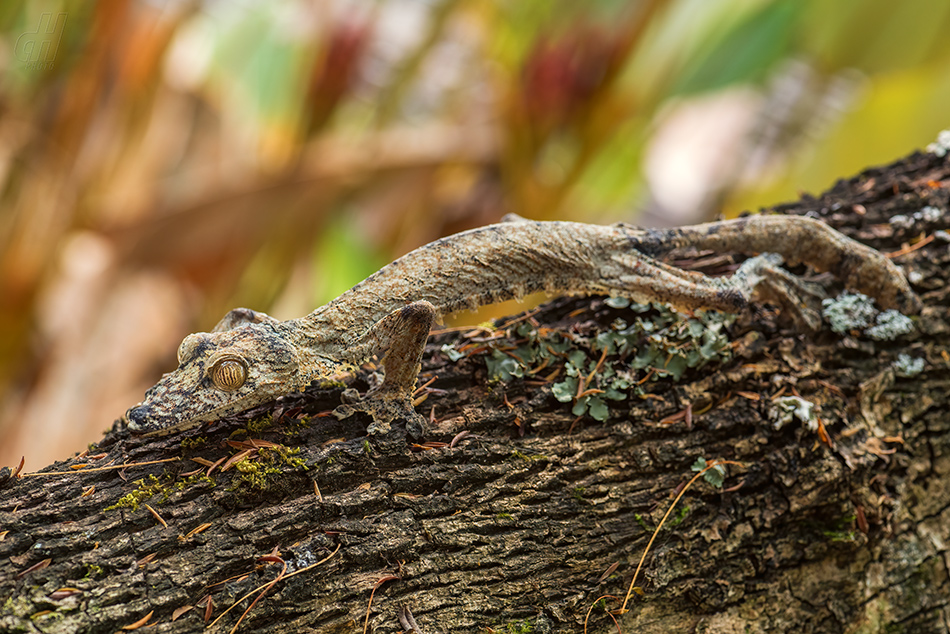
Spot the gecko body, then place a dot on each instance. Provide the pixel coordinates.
(251, 358)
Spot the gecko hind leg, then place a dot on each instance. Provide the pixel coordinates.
(758, 277)
(402, 334)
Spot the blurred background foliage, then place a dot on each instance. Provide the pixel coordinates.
(162, 162)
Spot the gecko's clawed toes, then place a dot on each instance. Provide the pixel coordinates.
(385, 408)
(763, 277)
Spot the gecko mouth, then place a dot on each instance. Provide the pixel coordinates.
(143, 420)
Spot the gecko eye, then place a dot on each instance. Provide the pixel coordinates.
(229, 373)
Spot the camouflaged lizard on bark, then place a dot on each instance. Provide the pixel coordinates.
(251, 358)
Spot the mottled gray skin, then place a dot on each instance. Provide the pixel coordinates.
(392, 311)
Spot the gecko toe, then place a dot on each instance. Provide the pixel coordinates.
(385, 408)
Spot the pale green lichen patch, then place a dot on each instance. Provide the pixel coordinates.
(889, 325)
(787, 409)
(658, 344)
(907, 366)
(855, 311)
(941, 146)
(849, 311)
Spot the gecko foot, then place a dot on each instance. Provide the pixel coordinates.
(402, 334)
(801, 300)
(384, 407)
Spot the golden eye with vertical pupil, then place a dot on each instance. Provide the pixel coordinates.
(229, 373)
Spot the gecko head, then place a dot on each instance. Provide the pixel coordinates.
(218, 374)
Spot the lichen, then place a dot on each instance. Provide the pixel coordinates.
(901, 221)
(890, 325)
(849, 311)
(907, 366)
(855, 311)
(928, 213)
(941, 146)
(786, 409)
(714, 476)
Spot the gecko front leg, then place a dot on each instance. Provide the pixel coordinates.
(402, 334)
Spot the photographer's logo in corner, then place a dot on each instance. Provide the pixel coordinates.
(37, 49)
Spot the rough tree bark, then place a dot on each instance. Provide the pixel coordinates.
(522, 524)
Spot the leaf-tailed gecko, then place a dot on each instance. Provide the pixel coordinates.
(251, 358)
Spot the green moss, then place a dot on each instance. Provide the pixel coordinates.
(296, 425)
(193, 443)
(255, 471)
(258, 425)
(578, 493)
(524, 627)
(153, 486)
(528, 458)
(840, 536)
(840, 529)
(288, 455)
(642, 522)
(144, 490)
(680, 516)
(252, 473)
(181, 485)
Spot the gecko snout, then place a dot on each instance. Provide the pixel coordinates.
(134, 417)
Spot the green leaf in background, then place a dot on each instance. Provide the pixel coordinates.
(747, 52)
(343, 256)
